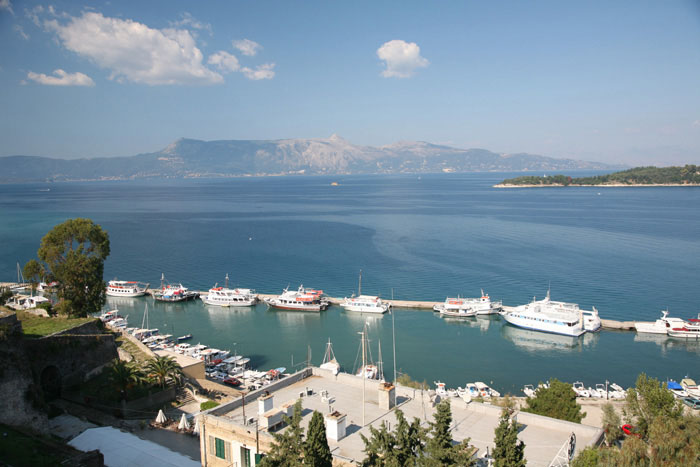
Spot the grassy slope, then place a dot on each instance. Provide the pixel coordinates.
(38, 326)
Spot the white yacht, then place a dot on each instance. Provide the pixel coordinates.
(223, 296)
(555, 317)
(299, 300)
(117, 288)
(175, 293)
(366, 304)
(472, 306)
(329, 361)
(661, 325)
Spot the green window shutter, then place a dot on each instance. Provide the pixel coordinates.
(220, 448)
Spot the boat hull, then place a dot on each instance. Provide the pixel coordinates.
(291, 307)
(366, 309)
(573, 331)
(138, 293)
(229, 303)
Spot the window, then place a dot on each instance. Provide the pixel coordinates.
(245, 457)
(220, 447)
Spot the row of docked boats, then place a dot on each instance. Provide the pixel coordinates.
(477, 390)
(672, 327)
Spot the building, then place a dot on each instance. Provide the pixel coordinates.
(234, 434)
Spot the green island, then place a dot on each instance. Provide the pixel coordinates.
(687, 175)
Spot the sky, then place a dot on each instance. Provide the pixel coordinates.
(615, 82)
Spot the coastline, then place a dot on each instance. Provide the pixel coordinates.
(607, 185)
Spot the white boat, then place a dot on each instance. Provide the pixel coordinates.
(365, 303)
(26, 302)
(676, 389)
(690, 387)
(554, 317)
(299, 300)
(485, 391)
(117, 288)
(661, 325)
(689, 331)
(595, 393)
(223, 296)
(468, 306)
(173, 292)
(529, 390)
(329, 361)
(440, 389)
(580, 389)
(472, 390)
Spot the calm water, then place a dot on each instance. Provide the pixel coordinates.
(627, 251)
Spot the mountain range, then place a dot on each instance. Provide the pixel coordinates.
(188, 158)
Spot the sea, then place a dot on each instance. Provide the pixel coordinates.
(630, 252)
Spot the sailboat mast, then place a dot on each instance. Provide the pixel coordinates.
(364, 375)
(226, 281)
(162, 281)
(380, 364)
(359, 286)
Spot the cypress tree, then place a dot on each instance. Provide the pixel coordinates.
(509, 452)
(439, 449)
(316, 450)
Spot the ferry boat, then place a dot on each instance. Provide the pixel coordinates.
(480, 306)
(661, 325)
(223, 296)
(117, 288)
(689, 331)
(554, 317)
(366, 304)
(299, 300)
(175, 293)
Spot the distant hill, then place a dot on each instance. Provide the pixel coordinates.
(188, 158)
(639, 176)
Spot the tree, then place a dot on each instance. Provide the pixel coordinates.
(33, 272)
(611, 424)
(73, 254)
(508, 452)
(161, 368)
(316, 450)
(647, 401)
(439, 448)
(556, 401)
(399, 448)
(288, 447)
(124, 375)
(5, 295)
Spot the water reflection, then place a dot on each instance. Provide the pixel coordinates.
(668, 343)
(536, 341)
(482, 322)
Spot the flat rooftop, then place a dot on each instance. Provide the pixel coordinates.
(543, 437)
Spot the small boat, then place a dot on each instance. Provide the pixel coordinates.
(459, 313)
(468, 306)
(580, 389)
(329, 361)
(471, 390)
(661, 325)
(440, 389)
(173, 292)
(676, 389)
(485, 391)
(529, 390)
(595, 393)
(690, 386)
(117, 288)
(223, 296)
(365, 303)
(185, 337)
(299, 300)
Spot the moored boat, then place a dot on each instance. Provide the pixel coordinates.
(223, 296)
(329, 361)
(365, 304)
(468, 306)
(117, 288)
(175, 293)
(554, 317)
(661, 325)
(299, 300)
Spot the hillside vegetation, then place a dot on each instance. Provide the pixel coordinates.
(687, 175)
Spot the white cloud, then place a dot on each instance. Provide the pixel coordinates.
(247, 47)
(224, 61)
(186, 19)
(34, 13)
(401, 58)
(6, 5)
(19, 30)
(265, 71)
(61, 78)
(696, 123)
(133, 51)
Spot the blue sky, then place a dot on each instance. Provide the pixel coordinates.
(605, 81)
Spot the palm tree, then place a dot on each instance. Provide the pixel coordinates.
(162, 368)
(124, 375)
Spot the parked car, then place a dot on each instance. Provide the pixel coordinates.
(232, 381)
(692, 402)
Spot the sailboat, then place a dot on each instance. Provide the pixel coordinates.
(144, 332)
(368, 369)
(329, 361)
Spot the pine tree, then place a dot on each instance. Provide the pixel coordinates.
(509, 452)
(316, 450)
(288, 448)
(439, 449)
(402, 447)
(556, 401)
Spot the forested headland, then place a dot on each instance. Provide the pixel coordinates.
(639, 176)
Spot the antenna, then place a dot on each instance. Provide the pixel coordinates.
(162, 280)
(226, 281)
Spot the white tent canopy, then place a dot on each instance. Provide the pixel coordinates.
(122, 449)
(195, 430)
(161, 418)
(184, 424)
